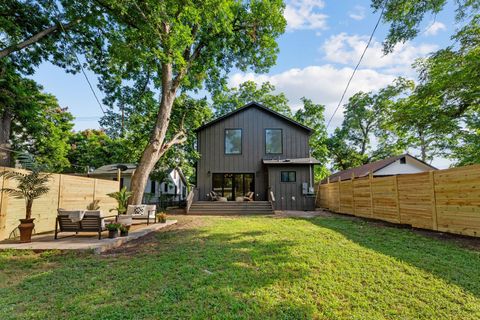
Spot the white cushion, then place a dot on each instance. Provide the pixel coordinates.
(137, 210)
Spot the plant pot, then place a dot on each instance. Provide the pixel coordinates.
(26, 227)
(162, 220)
(124, 219)
(112, 234)
(123, 233)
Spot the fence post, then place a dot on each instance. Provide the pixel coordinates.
(3, 207)
(94, 189)
(431, 174)
(370, 180)
(60, 176)
(339, 201)
(397, 199)
(353, 193)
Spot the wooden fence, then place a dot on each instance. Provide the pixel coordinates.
(444, 200)
(66, 191)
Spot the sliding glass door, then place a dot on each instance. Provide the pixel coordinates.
(232, 185)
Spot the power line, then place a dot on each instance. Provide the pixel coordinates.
(358, 64)
(81, 67)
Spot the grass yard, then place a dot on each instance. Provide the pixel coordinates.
(251, 268)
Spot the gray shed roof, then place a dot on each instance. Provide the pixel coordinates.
(363, 171)
(292, 161)
(112, 169)
(255, 105)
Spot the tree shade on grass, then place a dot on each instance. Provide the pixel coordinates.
(251, 268)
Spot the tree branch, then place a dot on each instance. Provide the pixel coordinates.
(36, 37)
(179, 138)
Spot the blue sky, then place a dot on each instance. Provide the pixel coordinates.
(322, 44)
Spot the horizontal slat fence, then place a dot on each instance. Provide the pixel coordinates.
(443, 200)
(66, 191)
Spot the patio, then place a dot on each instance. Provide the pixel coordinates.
(87, 241)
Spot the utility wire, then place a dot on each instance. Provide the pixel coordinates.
(81, 67)
(358, 64)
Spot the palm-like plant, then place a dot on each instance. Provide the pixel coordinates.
(122, 197)
(30, 186)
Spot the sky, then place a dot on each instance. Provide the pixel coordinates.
(322, 44)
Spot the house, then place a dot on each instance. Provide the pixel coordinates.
(174, 186)
(256, 149)
(402, 164)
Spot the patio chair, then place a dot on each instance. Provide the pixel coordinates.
(249, 196)
(143, 212)
(89, 221)
(216, 197)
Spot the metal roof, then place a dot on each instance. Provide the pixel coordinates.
(363, 171)
(292, 161)
(256, 105)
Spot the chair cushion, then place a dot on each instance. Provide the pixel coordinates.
(137, 210)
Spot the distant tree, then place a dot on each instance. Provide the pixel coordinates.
(364, 135)
(33, 122)
(312, 116)
(229, 99)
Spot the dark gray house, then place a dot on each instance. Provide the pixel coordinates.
(256, 149)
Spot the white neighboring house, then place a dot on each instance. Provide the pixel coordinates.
(175, 186)
(402, 164)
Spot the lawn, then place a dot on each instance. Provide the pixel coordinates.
(251, 268)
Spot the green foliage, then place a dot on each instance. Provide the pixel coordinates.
(38, 125)
(364, 135)
(327, 267)
(113, 226)
(405, 16)
(230, 99)
(94, 148)
(122, 197)
(312, 116)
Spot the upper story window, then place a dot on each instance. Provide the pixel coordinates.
(233, 141)
(273, 141)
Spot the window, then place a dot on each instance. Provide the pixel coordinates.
(273, 141)
(165, 187)
(233, 141)
(288, 176)
(403, 160)
(152, 186)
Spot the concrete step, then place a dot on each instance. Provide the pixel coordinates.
(231, 207)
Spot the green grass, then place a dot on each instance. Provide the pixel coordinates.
(251, 268)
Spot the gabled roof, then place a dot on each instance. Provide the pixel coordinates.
(126, 168)
(364, 170)
(258, 106)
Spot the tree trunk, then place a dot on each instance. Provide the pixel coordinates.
(5, 127)
(29, 204)
(154, 149)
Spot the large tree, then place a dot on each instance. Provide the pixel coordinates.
(170, 46)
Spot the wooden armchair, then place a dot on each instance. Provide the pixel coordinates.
(249, 196)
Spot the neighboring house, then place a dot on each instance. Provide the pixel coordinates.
(402, 164)
(256, 149)
(175, 186)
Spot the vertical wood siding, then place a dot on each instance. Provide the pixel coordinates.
(253, 121)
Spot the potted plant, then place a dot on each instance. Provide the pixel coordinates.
(112, 229)
(30, 186)
(122, 197)
(93, 206)
(162, 217)
(124, 230)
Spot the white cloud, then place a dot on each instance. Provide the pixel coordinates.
(434, 28)
(347, 49)
(323, 84)
(358, 13)
(305, 15)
